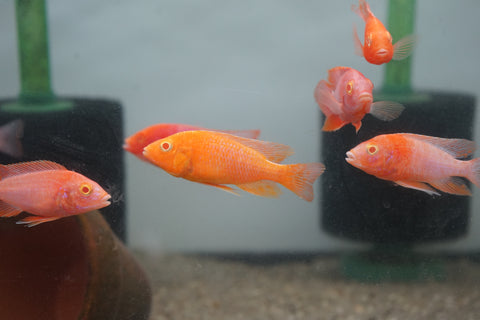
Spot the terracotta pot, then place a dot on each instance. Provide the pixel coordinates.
(72, 268)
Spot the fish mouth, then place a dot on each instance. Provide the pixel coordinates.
(350, 157)
(106, 200)
(127, 147)
(382, 52)
(365, 98)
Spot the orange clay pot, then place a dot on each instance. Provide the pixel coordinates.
(71, 268)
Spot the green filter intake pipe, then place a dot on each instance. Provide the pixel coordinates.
(36, 94)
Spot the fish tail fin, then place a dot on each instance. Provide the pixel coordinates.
(300, 177)
(12, 132)
(474, 172)
(334, 122)
(363, 10)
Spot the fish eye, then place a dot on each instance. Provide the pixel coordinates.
(165, 146)
(85, 189)
(372, 149)
(349, 87)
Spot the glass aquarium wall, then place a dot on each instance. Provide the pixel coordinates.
(341, 203)
(234, 65)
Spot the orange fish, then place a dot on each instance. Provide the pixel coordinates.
(347, 96)
(217, 159)
(418, 162)
(48, 191)
(378, 47)
(136, 142)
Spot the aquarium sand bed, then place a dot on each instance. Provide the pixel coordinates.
(229, 287)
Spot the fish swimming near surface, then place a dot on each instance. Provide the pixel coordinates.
(378, 47)
(419, 162)
(218, 159)
(10, 138)
(347, 96)
(136, 142)
(48, 191)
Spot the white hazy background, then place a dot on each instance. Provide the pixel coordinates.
(232, 65)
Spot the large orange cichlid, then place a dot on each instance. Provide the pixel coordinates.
(219, 159)
(48, 191)
(139, 140)
(378, 47)
(418, 162)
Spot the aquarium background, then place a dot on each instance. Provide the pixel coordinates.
(233, 65)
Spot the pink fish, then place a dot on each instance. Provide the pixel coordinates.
(10, 135)
(418, 162)
(136, 142)
(347, 96)
(48, 191)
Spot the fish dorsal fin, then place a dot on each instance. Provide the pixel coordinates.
(251, 134)
(357, 43)
(274, 152)
(363, 10)
(336, 73)
(459, 148)
(28, 167)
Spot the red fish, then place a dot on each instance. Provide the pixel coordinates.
(136, 142)
(378, 47)
(347, 96)
(418, 162)
(217, 159)
(48, 191)
(10, 135)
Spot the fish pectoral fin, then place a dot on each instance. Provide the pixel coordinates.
(454, 185)
(262, 188)
(32, 221)
(7, 210)
(181, 163)
(417, 185)
(386, 110)
(325, 99)
(333, 123)
(404, 47)
(222, 187)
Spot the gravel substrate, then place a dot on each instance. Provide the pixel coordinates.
(208, 287)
